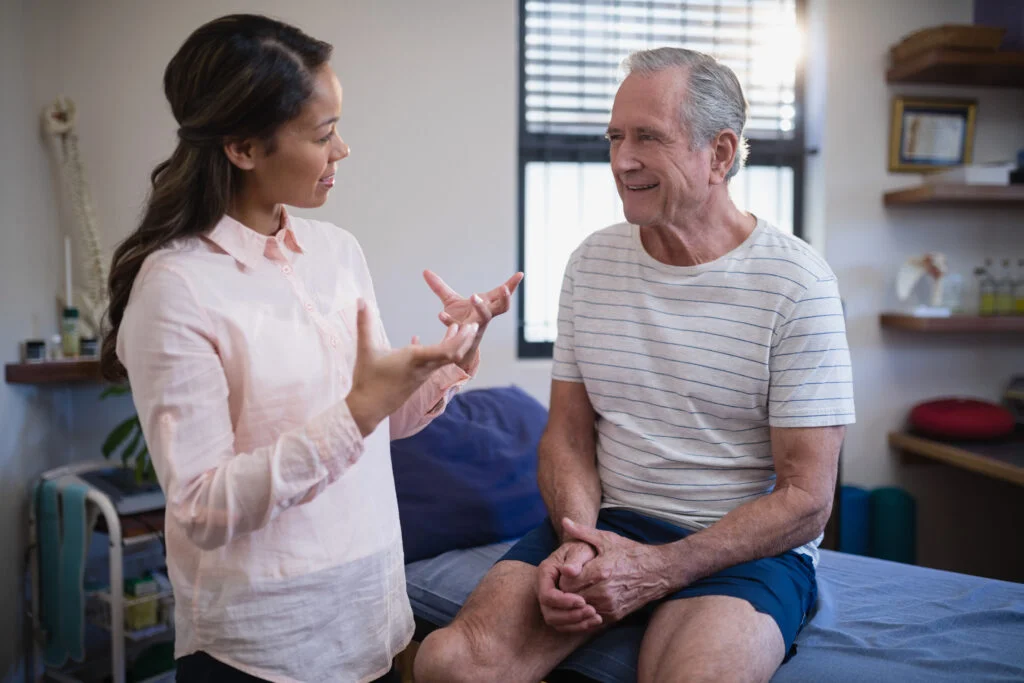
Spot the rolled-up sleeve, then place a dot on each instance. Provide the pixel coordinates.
(180, 391)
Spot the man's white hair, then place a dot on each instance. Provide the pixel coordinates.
(714, 98)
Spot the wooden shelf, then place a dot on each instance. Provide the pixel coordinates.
(961, 67)
(995, 195)
(956, 323)
(53, 372)
(1003, 459)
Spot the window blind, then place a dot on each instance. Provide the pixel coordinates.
(573, 50)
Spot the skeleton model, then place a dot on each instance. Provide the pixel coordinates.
(931, 264)
(59, 122)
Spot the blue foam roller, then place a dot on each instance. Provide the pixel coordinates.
(854, 520)
(893, 525)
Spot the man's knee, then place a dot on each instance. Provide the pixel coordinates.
(698, 669)
(437, 656)
(450, 655)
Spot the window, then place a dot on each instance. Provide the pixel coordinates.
(570, 56)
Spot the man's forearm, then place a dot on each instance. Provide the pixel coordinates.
(568, 479)
(784, 519)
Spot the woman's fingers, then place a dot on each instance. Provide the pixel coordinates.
(439, 286)
(506, 288)
(364, 330)
(482, 309)
(503, 302)
(456, 342)
(452, 330)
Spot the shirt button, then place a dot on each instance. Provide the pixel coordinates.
(309, 306)
(287, 270)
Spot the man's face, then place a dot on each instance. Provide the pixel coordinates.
(659, 177)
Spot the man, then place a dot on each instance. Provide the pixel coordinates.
(701, 380)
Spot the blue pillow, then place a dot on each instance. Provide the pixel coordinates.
(470, 477)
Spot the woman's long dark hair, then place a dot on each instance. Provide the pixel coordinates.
(241, 76)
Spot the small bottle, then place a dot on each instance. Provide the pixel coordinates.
(1004, 290)
(69, 339)
(1018, 289)
(986, 290)
(53, 349)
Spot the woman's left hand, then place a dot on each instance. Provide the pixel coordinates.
(478, 308)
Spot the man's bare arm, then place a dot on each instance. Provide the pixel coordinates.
(795, 513)
(567, 457)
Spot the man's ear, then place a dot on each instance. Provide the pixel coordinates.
(241, 153)
(724, 150)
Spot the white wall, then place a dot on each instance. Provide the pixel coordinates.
(866, 243)
(40, 427)
(429, 110)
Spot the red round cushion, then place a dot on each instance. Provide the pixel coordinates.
(961, 418)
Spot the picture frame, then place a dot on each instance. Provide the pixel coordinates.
(928, 135)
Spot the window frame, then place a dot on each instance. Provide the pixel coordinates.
(552, 147)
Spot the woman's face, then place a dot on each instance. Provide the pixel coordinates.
(298, 169)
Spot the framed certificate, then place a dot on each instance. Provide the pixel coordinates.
(930, 135)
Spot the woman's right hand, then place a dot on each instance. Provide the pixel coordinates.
(383, 379)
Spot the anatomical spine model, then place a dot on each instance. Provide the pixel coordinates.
(59, 121)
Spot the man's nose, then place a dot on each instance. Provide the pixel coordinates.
(624, 159)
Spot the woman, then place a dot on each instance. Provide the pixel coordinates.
(264, 383)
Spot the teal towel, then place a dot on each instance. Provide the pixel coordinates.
(73, 550)
(48, 530)
(64, 530)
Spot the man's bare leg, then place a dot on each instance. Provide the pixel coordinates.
(710, 638)
(498, 635)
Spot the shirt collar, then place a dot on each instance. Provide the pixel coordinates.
(249, 247)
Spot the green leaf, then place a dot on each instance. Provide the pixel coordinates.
(140, 470)
(150, 470)
(115, 390)
(133, 445)
(118, 434)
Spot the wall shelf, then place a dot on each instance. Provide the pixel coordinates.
(961, 67)
(1002, 459)
(53, 372)
(978, 195)
(956, 323)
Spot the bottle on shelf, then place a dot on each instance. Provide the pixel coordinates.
(1004, 290)
(986, 289)
(69, 332)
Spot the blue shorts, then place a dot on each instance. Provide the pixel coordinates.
(783, 587)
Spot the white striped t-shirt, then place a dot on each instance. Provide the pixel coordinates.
(687, 367)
